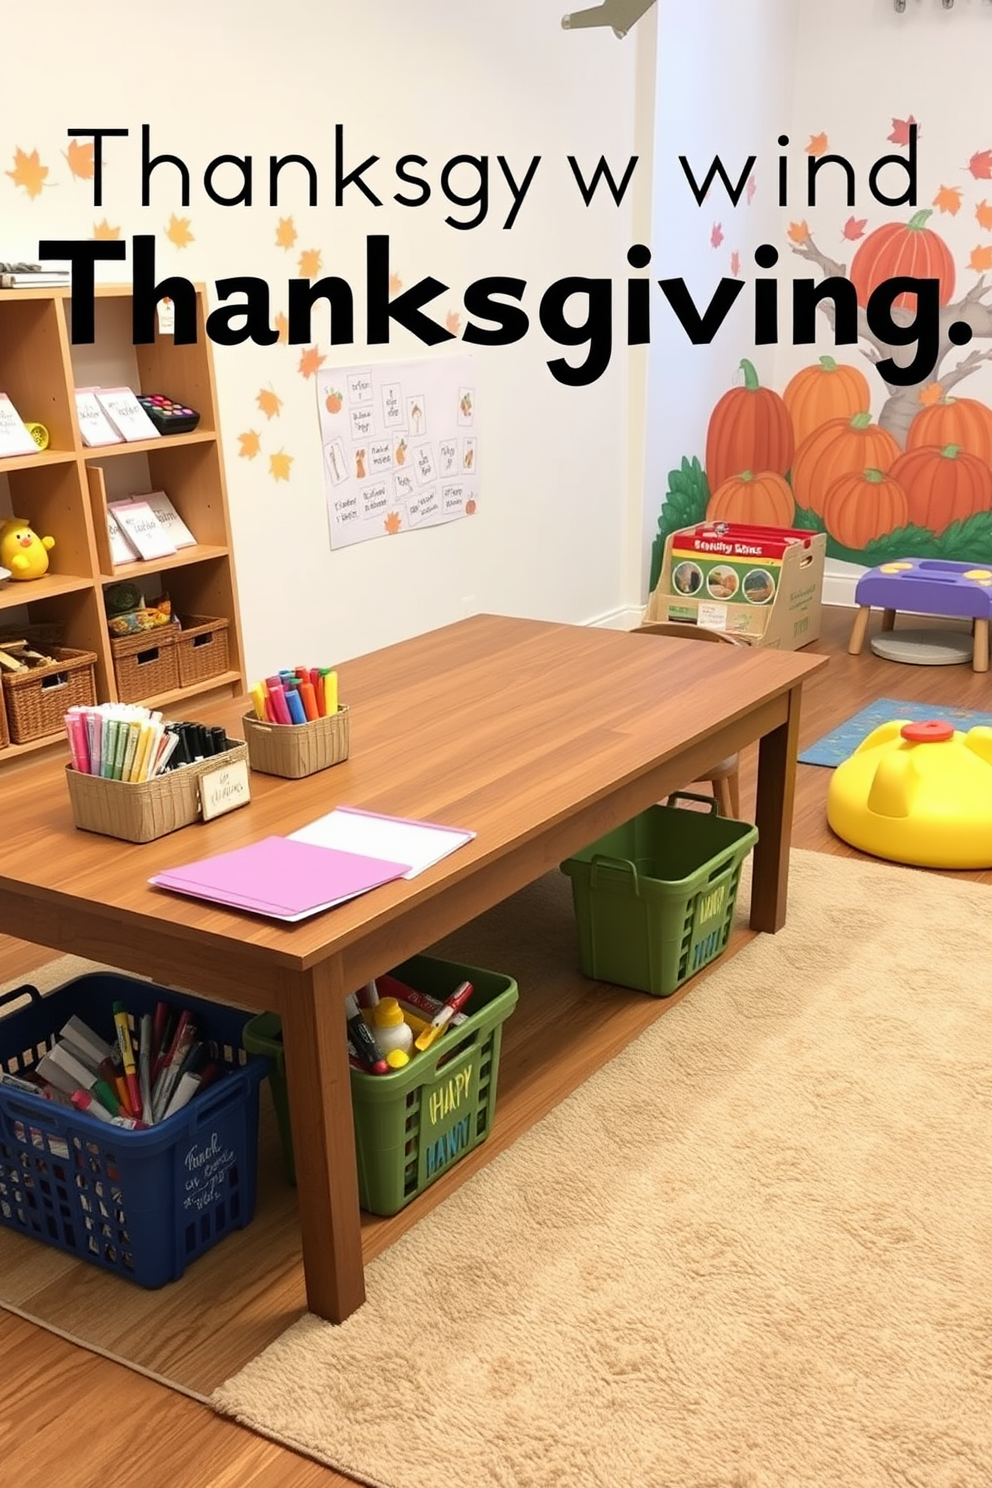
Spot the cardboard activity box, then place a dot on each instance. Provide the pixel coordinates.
(761, 583)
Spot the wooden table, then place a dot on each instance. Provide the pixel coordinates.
(540, 737)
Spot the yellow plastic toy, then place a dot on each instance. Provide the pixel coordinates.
(23, 551)
(918, 793)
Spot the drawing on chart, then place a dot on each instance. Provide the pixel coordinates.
(400, 447)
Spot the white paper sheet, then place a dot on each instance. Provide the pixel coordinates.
(421, 844)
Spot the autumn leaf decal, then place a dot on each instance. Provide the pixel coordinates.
(983, 215)
(948, 199)
(80, 158)
(716, 235)
(980, 260)
(285, 233)
(310, 263)
(752, 187)
(393, 522)
(980, 165)
(799, 232)
(932, 393)
(251, 443)
(901, 128)
(28, 172)
(178, 231)
(735, 263)
(269, 402)
(279, 464)
(282, 326)
(854, 227)
(395, 284)
(817, 144)
(104, 232)
(453, 321)
(310, 360)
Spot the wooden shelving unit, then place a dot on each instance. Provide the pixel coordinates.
(64, 490)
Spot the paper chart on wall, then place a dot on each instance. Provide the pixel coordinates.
(400, 449)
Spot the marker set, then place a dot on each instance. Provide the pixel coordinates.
(427, 1018)
(124, 741)
(298, 696)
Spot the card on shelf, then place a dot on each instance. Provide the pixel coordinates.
(14, 437)
(143, 528)
(170, 519)
(126, 414)
(94, 425)
(122, 550)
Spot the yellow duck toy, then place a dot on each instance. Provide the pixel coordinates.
(22, 550)
(917, 793)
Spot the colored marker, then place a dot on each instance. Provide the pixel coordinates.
(363, 1038)
(443, 1017)
(127, 1057)
(83, 1101)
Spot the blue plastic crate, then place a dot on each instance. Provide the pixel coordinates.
(142, 1204)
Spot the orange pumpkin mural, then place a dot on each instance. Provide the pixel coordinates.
(961, 421)
(839, 447)
(863, 506)
(749, 429)
(943, 486)
(763, 500)
(827, 390)
(899, 248)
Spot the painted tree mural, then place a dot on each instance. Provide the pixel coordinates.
(914, 482)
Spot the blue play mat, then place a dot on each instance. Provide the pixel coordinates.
(842, 741)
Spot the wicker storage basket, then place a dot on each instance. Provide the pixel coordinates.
(146, 664)
(201, 649)
(297, 749)
(37, 700)
(145, 810)
(4, 734)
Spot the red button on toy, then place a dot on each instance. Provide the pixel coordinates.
(933, 731)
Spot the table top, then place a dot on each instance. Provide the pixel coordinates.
(499, 725)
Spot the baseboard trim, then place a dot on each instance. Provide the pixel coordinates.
(623, 619)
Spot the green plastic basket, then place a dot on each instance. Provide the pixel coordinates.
(654, 899)
(412, 1125)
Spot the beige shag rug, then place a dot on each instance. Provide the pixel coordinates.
(754, 1251)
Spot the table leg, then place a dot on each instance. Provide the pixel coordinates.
(888, 619)
(980, 659)
(773, 818)
(859, 630)
(315, 1042)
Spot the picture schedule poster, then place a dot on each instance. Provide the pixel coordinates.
(399, 444)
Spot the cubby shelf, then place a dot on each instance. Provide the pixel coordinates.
(63, 490)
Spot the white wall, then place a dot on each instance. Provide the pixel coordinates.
(551, 538)
(724, 87)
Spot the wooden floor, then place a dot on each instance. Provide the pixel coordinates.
(95, 1416)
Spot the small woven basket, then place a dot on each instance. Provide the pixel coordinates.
(201, 649)
(37, 700)
(144, 810)
(293, 750)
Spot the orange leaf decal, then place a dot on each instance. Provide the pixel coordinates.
(395, 284)
(251, 443)
(28, 172)
(103, 230)
(310, 360)
(279, 464)
(716, 235)
(269, 402)
(178, 231)
(799, 232)
(980, 165)
(983, 213)
(735, 263)
(854, 227)
(948, 199)
(393, 522)
(932, 393)
(453, 321)
(285, 233)
(282, 326)
(80, 158)
(980, 260)
(900, 130)
(309, 263)
(817, 144)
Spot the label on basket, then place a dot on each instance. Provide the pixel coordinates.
(446, 1117)
(205, 1166)
(224, 790)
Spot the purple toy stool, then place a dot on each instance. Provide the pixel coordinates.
(926, 586)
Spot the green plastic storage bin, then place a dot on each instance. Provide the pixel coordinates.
(654, 899)
(413, 1124)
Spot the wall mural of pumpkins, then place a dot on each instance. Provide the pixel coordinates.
(916, 482)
